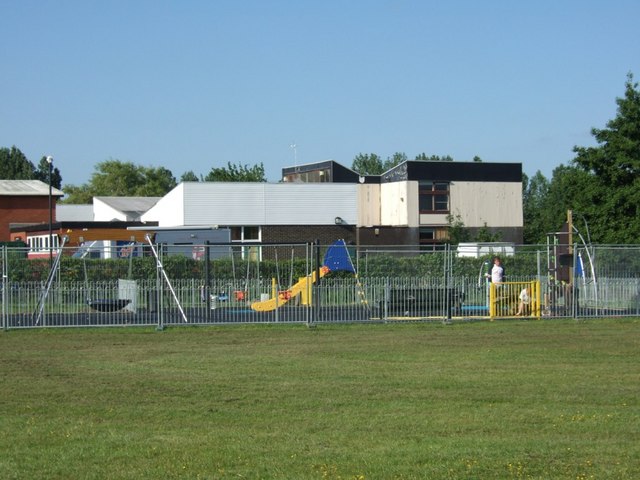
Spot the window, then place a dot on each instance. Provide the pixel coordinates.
(246, 236)
(40, 243)
(432, 239)
(434, 197)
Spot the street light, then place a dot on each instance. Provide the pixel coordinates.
(50, 162)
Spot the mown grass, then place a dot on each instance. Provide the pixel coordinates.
(537, 399)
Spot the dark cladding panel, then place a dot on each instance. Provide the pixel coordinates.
(464, 171)
(342, 174)
(399, 173)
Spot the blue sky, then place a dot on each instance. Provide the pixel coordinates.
(194, 84)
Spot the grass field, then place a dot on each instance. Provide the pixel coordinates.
(514, 399)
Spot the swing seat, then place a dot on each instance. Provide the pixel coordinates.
(107, 305)
(239, 295)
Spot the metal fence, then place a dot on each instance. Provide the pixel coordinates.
(257, 283)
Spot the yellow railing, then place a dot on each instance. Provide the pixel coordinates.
(510, 299)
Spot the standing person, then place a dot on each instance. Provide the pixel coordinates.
(497, 271)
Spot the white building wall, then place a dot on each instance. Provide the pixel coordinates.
(368, 205)
(498, 204)
(434, 219)
(169, 211)
(235, 203)
(399, 204)
(105, 213)
(310, 204)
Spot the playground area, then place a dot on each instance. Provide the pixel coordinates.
(309, 283)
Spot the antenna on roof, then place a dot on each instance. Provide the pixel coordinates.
(295, 154)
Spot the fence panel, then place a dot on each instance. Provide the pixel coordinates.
(261, 283)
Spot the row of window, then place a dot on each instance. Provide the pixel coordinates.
(40, 243)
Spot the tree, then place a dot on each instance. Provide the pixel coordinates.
(614, 168)
(534, 194)
(433, 158)
(42, 173)
(158, 181)
(189, 176)
(77, 194)
(457, 231)
(14, 165)
(236, 173)
(396, 159)
(485, 235)
(368, 164)
(116, 178)
(372, 164)
(570, 189)
(122, 179)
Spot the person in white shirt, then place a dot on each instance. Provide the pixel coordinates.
(497, 271)
(525, 299)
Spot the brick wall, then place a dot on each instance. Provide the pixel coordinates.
(23, 209)
(326, 234)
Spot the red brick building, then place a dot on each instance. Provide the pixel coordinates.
(25, 202)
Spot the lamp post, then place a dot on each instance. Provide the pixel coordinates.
(50, 162)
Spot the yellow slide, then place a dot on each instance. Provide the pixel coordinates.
(286, 295)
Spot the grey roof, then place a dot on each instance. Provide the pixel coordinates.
(74, 213)
(135, 205)
(27, 188)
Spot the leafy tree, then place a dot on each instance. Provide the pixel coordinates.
(122, 179)
(485, 235)
(372, 164)
(77, 194)
(534, 194)
(189, 176)
(116, 178)
(14, 165)
(433, 158)
(570, 189)
(158, 181)
(457, 231)
(236, 173)
(396, 159)
(368, 164)
(612, 201)
(476, 158)
(42, 173)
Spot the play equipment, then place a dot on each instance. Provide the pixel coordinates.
(504, 298)
(37, 315)
(127, 289)
(108, 304)
(336, 258)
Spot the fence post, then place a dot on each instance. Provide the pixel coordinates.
(574, 283)
(4, 287)
(387, 298)
(447, 283)
(207, 280)
(315, 289)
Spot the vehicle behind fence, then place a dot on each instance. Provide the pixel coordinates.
(158, 285)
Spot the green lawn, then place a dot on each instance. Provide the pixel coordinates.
(549, 399)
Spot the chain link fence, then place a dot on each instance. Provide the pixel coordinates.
(162, 285)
